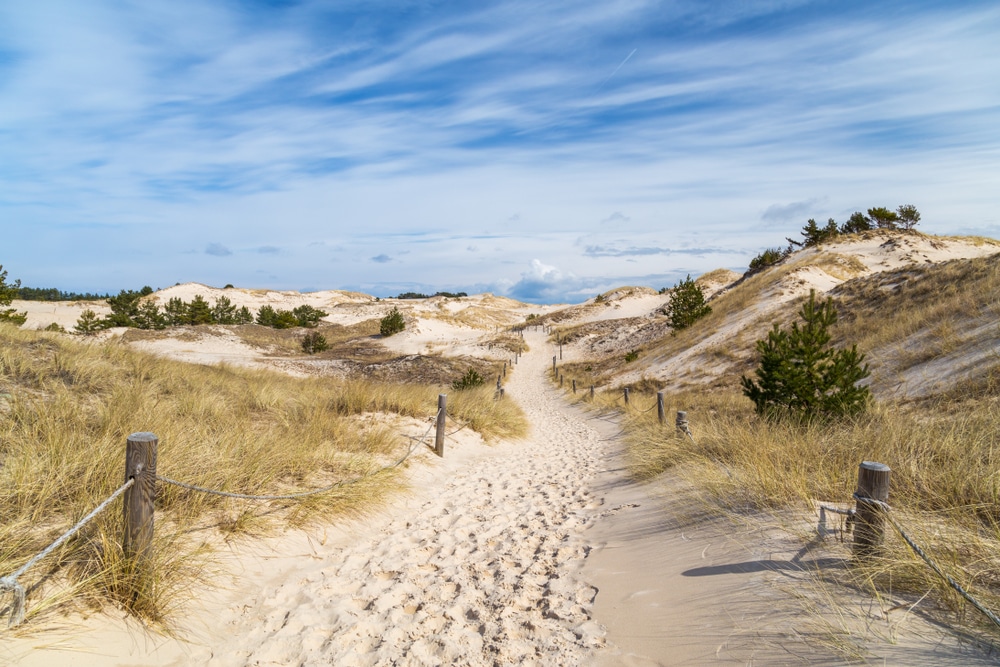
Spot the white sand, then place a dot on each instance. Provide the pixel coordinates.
(486, 563)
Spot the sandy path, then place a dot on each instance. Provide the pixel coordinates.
(485, 572)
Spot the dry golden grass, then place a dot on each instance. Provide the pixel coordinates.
(945, 483)
(66, 409)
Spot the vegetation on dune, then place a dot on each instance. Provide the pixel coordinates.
(802, 376)
(66, 409)
(904, 218)
(391, 324)
(687, 304)
(7, 294)
(469, 380)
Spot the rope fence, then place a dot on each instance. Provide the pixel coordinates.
(866, 519)
(141, 474)
(11, 584)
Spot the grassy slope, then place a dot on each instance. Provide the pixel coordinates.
(67, 407)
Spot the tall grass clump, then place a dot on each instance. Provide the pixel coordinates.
(66, 409)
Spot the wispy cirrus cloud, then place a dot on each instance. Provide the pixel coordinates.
(172, 120)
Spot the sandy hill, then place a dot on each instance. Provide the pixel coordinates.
(867, 273)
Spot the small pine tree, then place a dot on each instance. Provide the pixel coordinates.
(314, 342)
(883, 217)
(858, 222)
(908, 216)
(175, 312)
(223, 311)
(150, 317)
(266, 316)
(7, 294)
(801, 375)
(469, 380)
(243, 316)
(89, 323)
(686, 305)
(199, 312)
(392, 323)
(307, 316)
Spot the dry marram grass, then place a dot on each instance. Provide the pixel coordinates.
(66, 409)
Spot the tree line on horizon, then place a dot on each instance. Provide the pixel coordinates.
(131, 309)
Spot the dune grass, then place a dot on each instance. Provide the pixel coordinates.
(66, 409)
(945, 481)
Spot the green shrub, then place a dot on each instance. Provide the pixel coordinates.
(687, 304)
(7, 294)
(89, 323)
(631, 356)
(769, 257)
(801, 375)
(307, 316)
(314, 342)
(469, 380)
(392, 323)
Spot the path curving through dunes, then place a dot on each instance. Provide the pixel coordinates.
(485, 571)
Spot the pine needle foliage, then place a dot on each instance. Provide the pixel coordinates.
(392, 323)
(801, 375)
(687, 304)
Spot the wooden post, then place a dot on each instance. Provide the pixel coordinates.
(439, 435)
(682, 422)
(499, 384)
(501, 392)
(560, 380)
(140, 464)
(626, 395)
(574, 386)
(553, 365)
(591, 392)
(505, 369)
(659, 407)
(869, 518)
(560, 351)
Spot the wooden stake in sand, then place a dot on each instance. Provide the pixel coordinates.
(660, 414)
(439, 436)
(140, 464)
(869, 529)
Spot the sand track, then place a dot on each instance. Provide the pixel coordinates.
(483, 573)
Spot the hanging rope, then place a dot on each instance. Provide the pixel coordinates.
(10, 582)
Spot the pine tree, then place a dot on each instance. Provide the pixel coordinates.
(89, 323)
(686, 305)
(7, 294)
(392, 323)
(801, 375)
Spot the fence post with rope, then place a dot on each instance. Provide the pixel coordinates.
(140, 465)
(439, 435)
(869, 527)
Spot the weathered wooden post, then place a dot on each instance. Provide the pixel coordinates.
(574, 386)
(869, 517)
(553, 365)
(591, 392)
(140, 465)
(682, 424)
(505, 369)
(626, 395)
(499, 377)
(560, 380)
(439, 435)
(660, 415)
(560, 350)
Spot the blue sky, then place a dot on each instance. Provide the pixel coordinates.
(546, 151)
